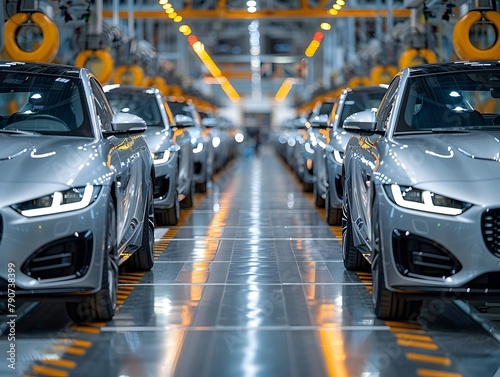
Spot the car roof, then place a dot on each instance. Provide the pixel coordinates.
(458, 66)
(40, 68)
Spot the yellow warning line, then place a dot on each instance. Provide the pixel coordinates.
(46, 371)
(436, 373)
(415, 344)
(69, 364)
(428, 358)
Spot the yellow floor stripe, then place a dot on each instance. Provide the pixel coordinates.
(419, 338)
(69, 364)
(428, 358)
(81, 343)
(436, 373)
(423, 345)
(402, 325)
(85, 329)
(45, 371)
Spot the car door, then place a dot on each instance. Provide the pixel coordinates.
(371, 150)
(124, 159)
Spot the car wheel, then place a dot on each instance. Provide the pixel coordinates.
(318, 199)
(353, 260)
(143, 258)
(169, 216)
(188, 200)
(101, 306)
(307, 187)
(387, 305)
(201, 187)
(333, 215)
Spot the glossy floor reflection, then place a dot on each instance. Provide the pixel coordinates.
(252, 284)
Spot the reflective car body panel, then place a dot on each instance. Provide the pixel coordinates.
(173, 174)
(200, 141)
(350, 101)
(423, 189)
(58, 175)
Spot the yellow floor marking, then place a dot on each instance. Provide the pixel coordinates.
(45, 371)
(436, 373)
(420, 338)
(423, 345)
(428, 358)
(60, 363)
(88, 330)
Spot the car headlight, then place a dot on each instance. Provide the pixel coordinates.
(424, 200)
(198, 148)
(338, 156)
(60, 201)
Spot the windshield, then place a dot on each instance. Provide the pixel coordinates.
(453, 101)
(138, 103)
(43, 104)
(359, 101)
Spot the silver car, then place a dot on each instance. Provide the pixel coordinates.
(328, 169)
(186, 115)
(171, 149)
(76, 184)
(421, 177)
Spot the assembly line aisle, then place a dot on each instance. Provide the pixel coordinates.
(251, 283)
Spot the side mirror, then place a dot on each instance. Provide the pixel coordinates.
(182, 121)
(362, 121)
(125, 122)
(319, 121)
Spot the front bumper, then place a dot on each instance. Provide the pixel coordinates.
(165, 195)
(53, 255)
(431, 253)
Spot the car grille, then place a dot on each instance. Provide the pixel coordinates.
(161, 187)
(490, 227)
(418, 257)
(64, 259)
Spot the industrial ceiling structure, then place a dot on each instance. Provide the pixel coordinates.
(254, 47)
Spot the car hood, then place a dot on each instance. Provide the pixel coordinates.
(45, 163)
(461, 157)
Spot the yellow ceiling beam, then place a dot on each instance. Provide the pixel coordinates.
(187, 13)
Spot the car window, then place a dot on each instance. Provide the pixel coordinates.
(138, 103)
(450, 101)
(45, 104)
(385, 107)
(359, 101)
(104, 111)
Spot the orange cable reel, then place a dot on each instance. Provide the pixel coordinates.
(464, 48)
(129, 75)
(99, 62)
(416, 56)
(46, 51)
(358, 81)
(383, 74)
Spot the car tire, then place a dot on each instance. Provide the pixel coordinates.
(168, 216)
(319, 201)
(143, 258)
(188, 200)
(386, 304)
(307, 187)
(101, 306)
(333, 215)
(353, 260)
(201, 187)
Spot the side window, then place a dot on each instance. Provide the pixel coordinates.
(387, 104)
(104, 111)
